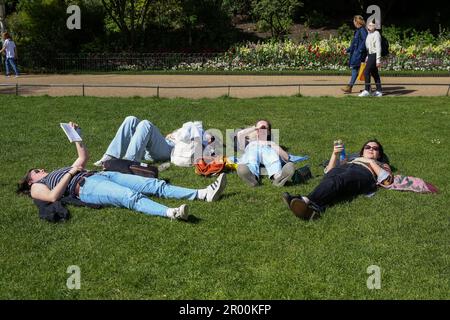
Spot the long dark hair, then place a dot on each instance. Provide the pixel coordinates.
(23, 186)
(382, 156)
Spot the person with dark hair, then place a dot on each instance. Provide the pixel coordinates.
(260, 150)
(112, 188)
(344, 180)
(357, 50)
(10, 49)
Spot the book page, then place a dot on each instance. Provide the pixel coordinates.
(70, 132)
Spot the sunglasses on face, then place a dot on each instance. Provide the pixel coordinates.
(374, 148)
(28, 177)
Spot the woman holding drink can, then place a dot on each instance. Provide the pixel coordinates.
(344, 180)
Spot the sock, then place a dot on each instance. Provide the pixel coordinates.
(201, 194)
(106, 157)
(305, 199)
(170, 213)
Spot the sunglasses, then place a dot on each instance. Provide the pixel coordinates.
(28, 176)
(374, 148)
(34, 171)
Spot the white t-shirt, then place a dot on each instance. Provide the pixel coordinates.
(9, 46)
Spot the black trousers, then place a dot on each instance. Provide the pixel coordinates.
(371, 69)
(342, 183)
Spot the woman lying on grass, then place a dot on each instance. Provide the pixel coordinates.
(344, 180)
(112, 188)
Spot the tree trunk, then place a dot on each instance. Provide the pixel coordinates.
(2, 16)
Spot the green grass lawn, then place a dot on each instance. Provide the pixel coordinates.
(248, 245)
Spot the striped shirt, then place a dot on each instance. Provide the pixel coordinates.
(54, 177)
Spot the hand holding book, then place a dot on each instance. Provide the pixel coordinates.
(72, 131)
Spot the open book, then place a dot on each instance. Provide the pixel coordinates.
(70, 132)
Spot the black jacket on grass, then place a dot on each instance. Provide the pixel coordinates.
(56, 211)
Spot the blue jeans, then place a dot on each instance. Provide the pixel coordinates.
(355, 71)
(256, 155)
(137, 140)
(13, 64)
(129, 191)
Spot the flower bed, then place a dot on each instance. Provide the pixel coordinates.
(326, 54)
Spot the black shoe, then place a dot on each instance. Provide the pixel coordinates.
(302, 210)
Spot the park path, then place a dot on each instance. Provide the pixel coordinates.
(393, 86)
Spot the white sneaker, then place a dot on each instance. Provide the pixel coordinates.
(365, 93)
(180, 213)
(214, 190)
(105, 157)
(377, 94)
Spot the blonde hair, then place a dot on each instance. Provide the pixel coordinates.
(359, 21)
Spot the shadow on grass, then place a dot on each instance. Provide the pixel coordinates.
(229, 195)
(193, 219)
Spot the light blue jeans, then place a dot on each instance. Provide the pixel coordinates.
(137, 140)
(256, 155)
(129, 191)
(13, 64)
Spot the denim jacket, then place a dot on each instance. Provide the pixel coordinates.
(357, 49)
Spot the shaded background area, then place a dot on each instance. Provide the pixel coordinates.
(198, 25)
(123, 30)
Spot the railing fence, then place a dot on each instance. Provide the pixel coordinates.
(158, 88)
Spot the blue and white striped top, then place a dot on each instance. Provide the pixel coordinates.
(54, 177)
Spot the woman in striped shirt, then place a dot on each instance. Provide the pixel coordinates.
(113, 188)
(344, 180)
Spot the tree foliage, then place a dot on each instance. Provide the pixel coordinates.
(130, 16)
(194, 25)
(275, 15)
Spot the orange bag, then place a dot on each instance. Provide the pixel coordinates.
(212, 165)
(361, 72)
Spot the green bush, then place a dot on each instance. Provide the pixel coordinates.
(344, 32)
